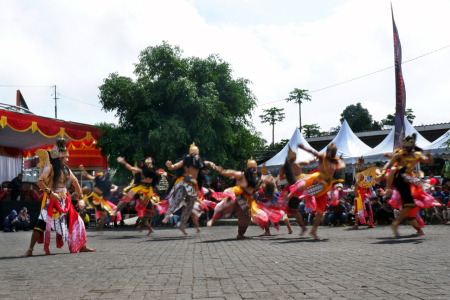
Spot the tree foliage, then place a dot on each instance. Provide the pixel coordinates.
(359, 119)
(272, 116)
(311, 130)
(176, 101)
(298, 96)
(390, 119)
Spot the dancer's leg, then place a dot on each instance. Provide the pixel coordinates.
(243, 222)
(190, 201)
(299, 219)
(288, 224)
(174, 201)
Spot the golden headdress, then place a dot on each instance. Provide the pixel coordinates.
(59, 150)
(193, 149)
(264, 170)
(251, 163)
(291, 154)
(410, 140)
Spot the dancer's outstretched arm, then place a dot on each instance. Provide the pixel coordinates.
(427, 158)
(171, 166)
(86, 174)
(129, 168)
(229, 173)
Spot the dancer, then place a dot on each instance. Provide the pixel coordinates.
(185, 191)
(57, 211)
(239, 199)
(316, 185)
(292, 172)
(407, 193)
(364, 180)
(98, 198)
(146, 177)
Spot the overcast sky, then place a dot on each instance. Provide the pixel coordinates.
(278, 44)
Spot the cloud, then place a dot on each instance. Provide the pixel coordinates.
(76, 44)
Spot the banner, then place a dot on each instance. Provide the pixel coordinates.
(400, 91)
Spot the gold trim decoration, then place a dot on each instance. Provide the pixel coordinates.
(369, 177)
(291, 154)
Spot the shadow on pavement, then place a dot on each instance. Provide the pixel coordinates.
(405, 239)
(222, 240)
(150, 239)
(299, 240)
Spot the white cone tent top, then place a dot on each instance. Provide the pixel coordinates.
(438, 147)
(348, 144)
(386, 146)
(280, 157)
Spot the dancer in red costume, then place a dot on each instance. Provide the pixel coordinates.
(407, 192)
(57, 211)
(292, 172)
(315, 186)
(364, 180)
(239, 199)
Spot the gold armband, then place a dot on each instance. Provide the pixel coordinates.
(75, 180)
(48, 191)
(383, 172)
(40, 179)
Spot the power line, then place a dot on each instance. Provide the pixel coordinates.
(28, 86)
(79, 101)
(321, 89)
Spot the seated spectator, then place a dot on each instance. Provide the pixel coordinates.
(16, 185)
(24, 220)
(438, 192)
(337, 214)
(376, 209)
(10, 223)
(387, 212)
(437, 212)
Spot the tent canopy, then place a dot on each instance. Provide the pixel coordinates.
(350, 147)
(438, 147)
(386, 146)
(297, 138)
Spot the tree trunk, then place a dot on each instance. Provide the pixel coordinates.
(300, 116)
(273, 136)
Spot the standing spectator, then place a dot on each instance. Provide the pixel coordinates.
(376, 209)
(10, 223)
(24, 220)
(16, 185)
(337, 213)
(437, 180)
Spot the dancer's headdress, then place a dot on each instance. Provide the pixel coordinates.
(410, 140)
(332, 148)
(59, 150)
(264, 170)
(251, 163)
(193, 149)
(147, 161)
(291, 154)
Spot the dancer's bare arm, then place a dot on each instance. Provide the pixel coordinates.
(129, 168)
(171, 166)
(427, 158)
(75, 183)
(229, 173)
(86, 174)
(210, 164)
(113, 188)
(312, 151)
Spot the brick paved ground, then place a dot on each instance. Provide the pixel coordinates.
(364, 264)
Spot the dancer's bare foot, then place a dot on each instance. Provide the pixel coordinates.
(370, 226)
(394, 227)
(139, 228)
(28, 253)
(420, 232)
(290, 231)
(198, 229)
(182, 229)
(314, 235)
(304, 230)
(210, 223)
(241, 237)
(265, 233)
(354, 227)
(149, 232)
(165, 220)
(87, 249)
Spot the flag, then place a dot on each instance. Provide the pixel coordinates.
(400, 91)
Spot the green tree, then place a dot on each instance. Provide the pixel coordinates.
(311, 130)
(272, 116)
(298, 96)
(173, 102)
(390, 119)
(278, 146)
(358, 118)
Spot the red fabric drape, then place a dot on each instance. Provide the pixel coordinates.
(48, 130)
(96, 135)
(75, 134)
(13, 152)
(19, 124)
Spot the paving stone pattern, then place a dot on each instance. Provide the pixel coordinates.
(363, 264)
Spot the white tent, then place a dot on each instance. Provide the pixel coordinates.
(297, 138)
(348, 144)
(386, 146)
(438, 147)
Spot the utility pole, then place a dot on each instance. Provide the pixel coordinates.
(56, 115)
